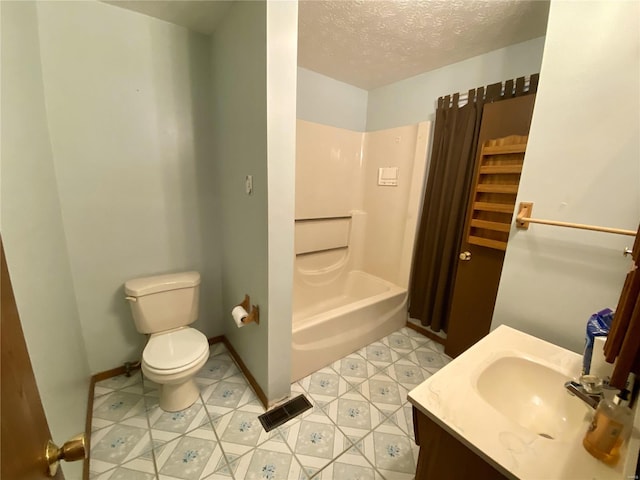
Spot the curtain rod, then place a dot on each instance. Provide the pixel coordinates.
(524, 219)
(464, 97)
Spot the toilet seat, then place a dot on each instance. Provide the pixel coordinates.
(176, 351)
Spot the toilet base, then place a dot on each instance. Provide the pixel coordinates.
(178, 396)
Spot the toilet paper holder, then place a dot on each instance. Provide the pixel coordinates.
(253, 311)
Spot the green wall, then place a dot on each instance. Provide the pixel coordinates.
(238, 52)
(33, 233)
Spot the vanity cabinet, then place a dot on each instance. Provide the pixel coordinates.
(442, 456)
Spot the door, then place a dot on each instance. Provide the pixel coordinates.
(479, 267)
(23, 425)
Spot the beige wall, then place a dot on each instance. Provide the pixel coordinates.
(329, 167)
(392, 212)
(337, 174)
(581, 166)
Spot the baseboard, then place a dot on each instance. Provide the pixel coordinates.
(218, 339)
(136, 366)
(114, 372)
(247, 373)
(426, 333)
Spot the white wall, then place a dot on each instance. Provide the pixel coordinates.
(392, 211)
(33, 233)
(414, 99)
(282, 54)
(239, 69)
(327, 155)
(324, 100)
(337, 174)
(128, 103)
(582, 165)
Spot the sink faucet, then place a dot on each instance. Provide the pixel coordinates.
(577, 389)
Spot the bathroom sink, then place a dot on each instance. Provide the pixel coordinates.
(533, 396)
(504, 398)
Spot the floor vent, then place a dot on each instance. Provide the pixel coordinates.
(284, 412)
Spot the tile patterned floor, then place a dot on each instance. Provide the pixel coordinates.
(360, 426)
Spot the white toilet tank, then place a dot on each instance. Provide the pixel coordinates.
(163, 302)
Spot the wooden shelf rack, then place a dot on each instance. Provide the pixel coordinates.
(495, 189)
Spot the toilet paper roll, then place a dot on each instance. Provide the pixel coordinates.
(239, 314)
(599, 365)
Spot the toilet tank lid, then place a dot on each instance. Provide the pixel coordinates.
(138, 287)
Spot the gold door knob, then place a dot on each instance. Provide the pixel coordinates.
(465, 256)
(72, 450)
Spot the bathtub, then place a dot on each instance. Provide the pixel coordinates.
(334, 319)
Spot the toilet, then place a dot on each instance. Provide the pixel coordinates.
(163, 307)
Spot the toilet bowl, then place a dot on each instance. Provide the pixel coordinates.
(172, 359)
(164, 306)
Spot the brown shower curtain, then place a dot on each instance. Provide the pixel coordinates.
(443, 210)
(446, 198)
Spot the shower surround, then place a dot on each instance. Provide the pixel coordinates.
(353, 238)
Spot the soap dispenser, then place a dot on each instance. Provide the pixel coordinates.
(609, 428)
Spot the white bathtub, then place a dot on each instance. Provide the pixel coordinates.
(337, 318)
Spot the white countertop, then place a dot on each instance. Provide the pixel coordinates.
(450, 398)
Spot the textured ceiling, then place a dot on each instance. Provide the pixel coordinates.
(370, 43)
